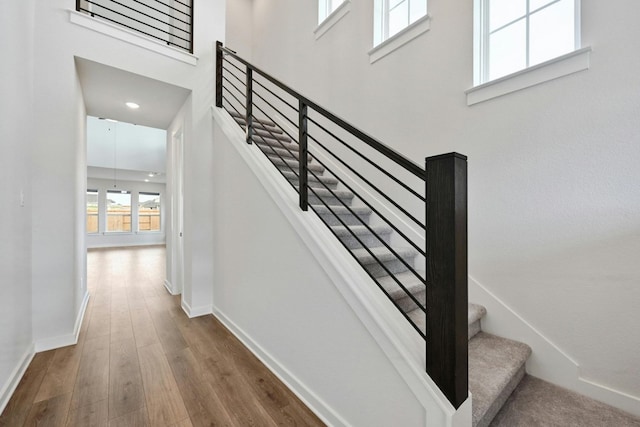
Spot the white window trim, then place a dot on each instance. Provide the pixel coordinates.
(401, 38)
(480, 40)
(333, 18)
(564, 65)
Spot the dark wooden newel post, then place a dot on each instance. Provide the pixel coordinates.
(219, 58)
(447, 299)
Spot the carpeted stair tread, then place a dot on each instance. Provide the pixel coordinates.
(242, 120)
(360, 230)
(341, 210)
(267, 135)
(409, 280)
(292, 164)
(281, 152)
(476, 313)
(382, 254)
(418, 317)
(496, 366)
(290, 146)
(323, 192)
(328, 180)
(538, 403)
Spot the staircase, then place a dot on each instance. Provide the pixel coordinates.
(496, 365)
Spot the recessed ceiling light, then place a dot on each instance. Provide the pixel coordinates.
(151, 174)
(146, 180)
(132, 105)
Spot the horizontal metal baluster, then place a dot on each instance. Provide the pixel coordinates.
(372, 163)
(394, 203)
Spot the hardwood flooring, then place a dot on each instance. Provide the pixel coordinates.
(140, 361)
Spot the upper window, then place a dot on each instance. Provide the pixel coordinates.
(393, 16)
(326, 8)
(516, 34)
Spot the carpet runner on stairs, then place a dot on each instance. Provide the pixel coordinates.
(496, 365)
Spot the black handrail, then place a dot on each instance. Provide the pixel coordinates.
(146, 23)
(387, 151)
(445, 203)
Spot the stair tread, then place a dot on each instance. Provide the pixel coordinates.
(242, 118)
(417, 315)
(293, 163)
(382, 254)
(359, 230)
(539, 403)
(409, 280)
(260, 133)
(476, 312)
(342, 194)
(326, 179)
(493, 363)
(341, 210)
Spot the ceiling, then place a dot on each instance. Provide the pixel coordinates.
(106, 89)
(124, 175)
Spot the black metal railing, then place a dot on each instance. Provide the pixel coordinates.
(169, 21)
(319, 154)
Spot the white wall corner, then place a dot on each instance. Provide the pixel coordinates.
(398, 341)
(52, 343)
(192, 312)
(16, 375)
(548, 361)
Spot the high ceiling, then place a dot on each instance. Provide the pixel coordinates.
(106, 89)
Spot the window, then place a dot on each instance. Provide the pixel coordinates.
(92, 211)
(393, 16)
(326, 8)
(148, 212)
(118, 210)
(517, 34)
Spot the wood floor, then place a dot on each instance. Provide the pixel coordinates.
(140, 361)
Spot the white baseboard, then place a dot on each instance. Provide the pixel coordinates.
(169, 287)
(192, 312)
(64, 340)
(547, 360)
(308, 397)
(16, 375)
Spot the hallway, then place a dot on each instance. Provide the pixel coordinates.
(140, 361)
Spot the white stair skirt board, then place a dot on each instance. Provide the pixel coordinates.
(64, 340)
(548, 362)
(400, 343)
(16, 375)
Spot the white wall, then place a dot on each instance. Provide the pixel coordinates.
(104, 239)
(553, 204)
(16, 130)
(239, 33)
(58, 251)
(275, 295)
(125, 146)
